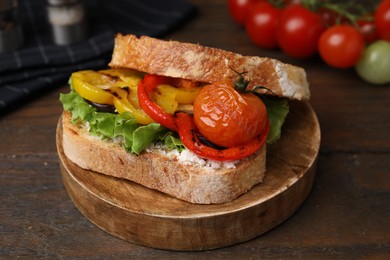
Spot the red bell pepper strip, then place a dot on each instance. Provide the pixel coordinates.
(188, 135)
(147, 85)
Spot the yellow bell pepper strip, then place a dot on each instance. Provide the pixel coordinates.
(122, 104)
(127, 77)
(169, 97)
(133, 97)
(183, 96)
(187, 108)
(92, 86)
(146, 86)
(189, 136)
(164, 98)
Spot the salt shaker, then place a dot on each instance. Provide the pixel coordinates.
(11, 36)
(68, 21)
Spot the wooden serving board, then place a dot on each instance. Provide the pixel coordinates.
(150, 218)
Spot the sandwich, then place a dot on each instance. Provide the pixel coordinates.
(187, 120)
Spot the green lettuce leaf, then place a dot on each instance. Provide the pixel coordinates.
(145, 135)
(81, 110)
(173, 142)
(277, 111)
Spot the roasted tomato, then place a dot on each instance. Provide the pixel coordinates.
(227, 117)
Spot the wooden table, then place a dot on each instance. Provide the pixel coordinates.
(346, 216)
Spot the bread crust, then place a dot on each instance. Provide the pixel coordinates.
(159, 171)
(205, 64)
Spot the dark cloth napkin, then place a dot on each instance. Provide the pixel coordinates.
(40, 65)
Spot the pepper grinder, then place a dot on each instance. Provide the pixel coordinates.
(11, 36)
(68, 21)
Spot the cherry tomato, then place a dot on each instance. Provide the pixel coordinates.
(341, 46)
(239, 9)
(382, 20)
(368, 30)
(374, 66)
(228, 118)
(299, 30)
(261, 24)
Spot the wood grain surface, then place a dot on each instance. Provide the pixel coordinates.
(150, 218)
(345, 216)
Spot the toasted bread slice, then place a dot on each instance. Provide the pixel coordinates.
(204, 64)
(163, 170)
